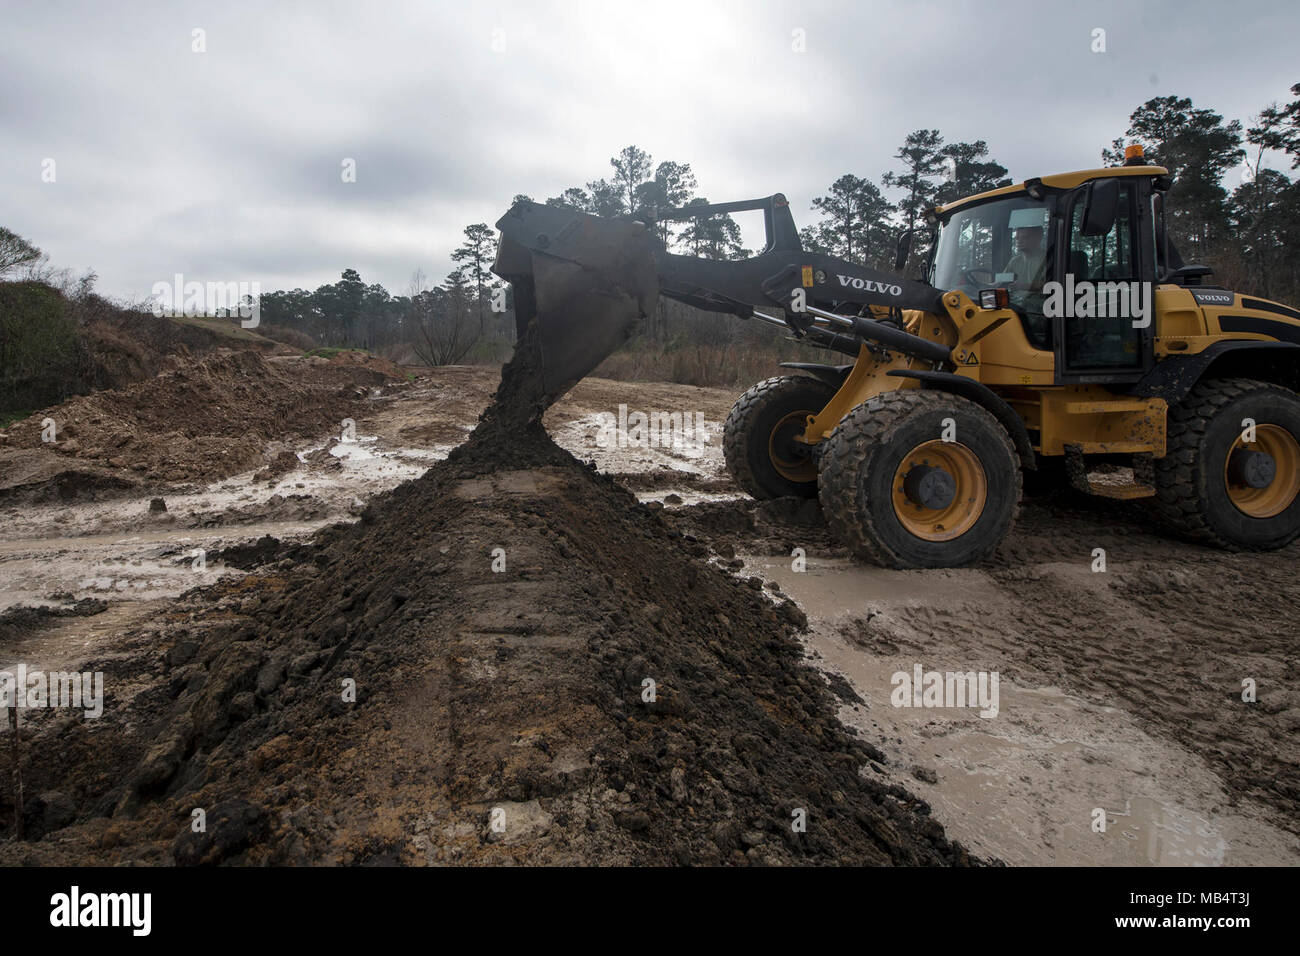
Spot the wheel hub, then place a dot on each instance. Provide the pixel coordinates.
(1254, 469)
(929, 487)
(791, 458)
(939, 490)
(1263, 477)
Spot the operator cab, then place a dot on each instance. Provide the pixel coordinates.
(1073, 255)
(1005, 243)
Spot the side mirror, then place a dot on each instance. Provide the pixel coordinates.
(1102, 207)
(904, 250)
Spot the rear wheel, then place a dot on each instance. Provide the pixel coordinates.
(899, 494)
(759, 437)
(1215, 486)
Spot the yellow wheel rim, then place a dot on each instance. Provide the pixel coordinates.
(969, 491)
(1280, 445)
(792, 467)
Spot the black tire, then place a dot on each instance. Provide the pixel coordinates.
(867, 451)
(1193, 493)
(1048, 478)
(748, 436)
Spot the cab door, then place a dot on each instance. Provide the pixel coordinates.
(1105, 317)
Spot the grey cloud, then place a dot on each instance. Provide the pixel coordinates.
(227, 162)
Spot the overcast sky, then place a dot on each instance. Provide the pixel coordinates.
(225, 165)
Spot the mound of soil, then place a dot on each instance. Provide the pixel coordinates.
(125, 346)
(36, 476)
(205, 421)
(506, 660)
(390, 370)
(267, 549)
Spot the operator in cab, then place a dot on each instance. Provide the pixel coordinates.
(1027, 263)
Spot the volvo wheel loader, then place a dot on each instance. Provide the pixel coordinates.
(1057, 329)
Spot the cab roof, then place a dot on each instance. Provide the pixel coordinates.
(1058, 181)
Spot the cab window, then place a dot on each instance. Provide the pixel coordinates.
(1005, 243)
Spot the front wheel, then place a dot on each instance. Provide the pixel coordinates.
(1231, 471)
(759, 438)
(920, 479)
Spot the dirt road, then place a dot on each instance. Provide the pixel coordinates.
(1120, 690)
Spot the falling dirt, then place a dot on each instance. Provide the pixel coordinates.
(508, 659)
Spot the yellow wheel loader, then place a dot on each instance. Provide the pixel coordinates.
(1057, 329)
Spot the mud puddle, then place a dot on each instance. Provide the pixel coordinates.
(600, 438)
(144, 566)
(67, 644)
(1027, 784)
(71, 547)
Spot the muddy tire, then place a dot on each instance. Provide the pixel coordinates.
(757, 438)
(898, 495)
(1213, 487)
(1048, 478)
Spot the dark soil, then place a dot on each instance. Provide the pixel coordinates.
(602, 697)
(758, 527)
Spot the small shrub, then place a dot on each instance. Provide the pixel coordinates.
(41, 358)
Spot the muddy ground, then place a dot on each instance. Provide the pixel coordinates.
(1120, 690)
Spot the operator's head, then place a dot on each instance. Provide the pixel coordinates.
(1029, 238)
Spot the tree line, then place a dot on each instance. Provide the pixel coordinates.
(1229, 209)
(442, 324)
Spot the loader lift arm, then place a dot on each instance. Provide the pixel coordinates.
(587, 280)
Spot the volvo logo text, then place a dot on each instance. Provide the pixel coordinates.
(870, 285)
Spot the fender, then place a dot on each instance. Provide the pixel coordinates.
(982, 395)
(832, 375)
(1175, 376)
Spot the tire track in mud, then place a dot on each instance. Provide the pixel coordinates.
(1168, 632)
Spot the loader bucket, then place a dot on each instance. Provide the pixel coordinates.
(582, 282)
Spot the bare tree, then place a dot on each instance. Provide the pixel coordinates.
(16, 252)
(443, 319)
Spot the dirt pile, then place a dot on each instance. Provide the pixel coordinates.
(506, 660)
(125, 346)
(390, 370)
(204, 421)
(58, 345)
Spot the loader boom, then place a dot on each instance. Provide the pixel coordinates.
(587, 280)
